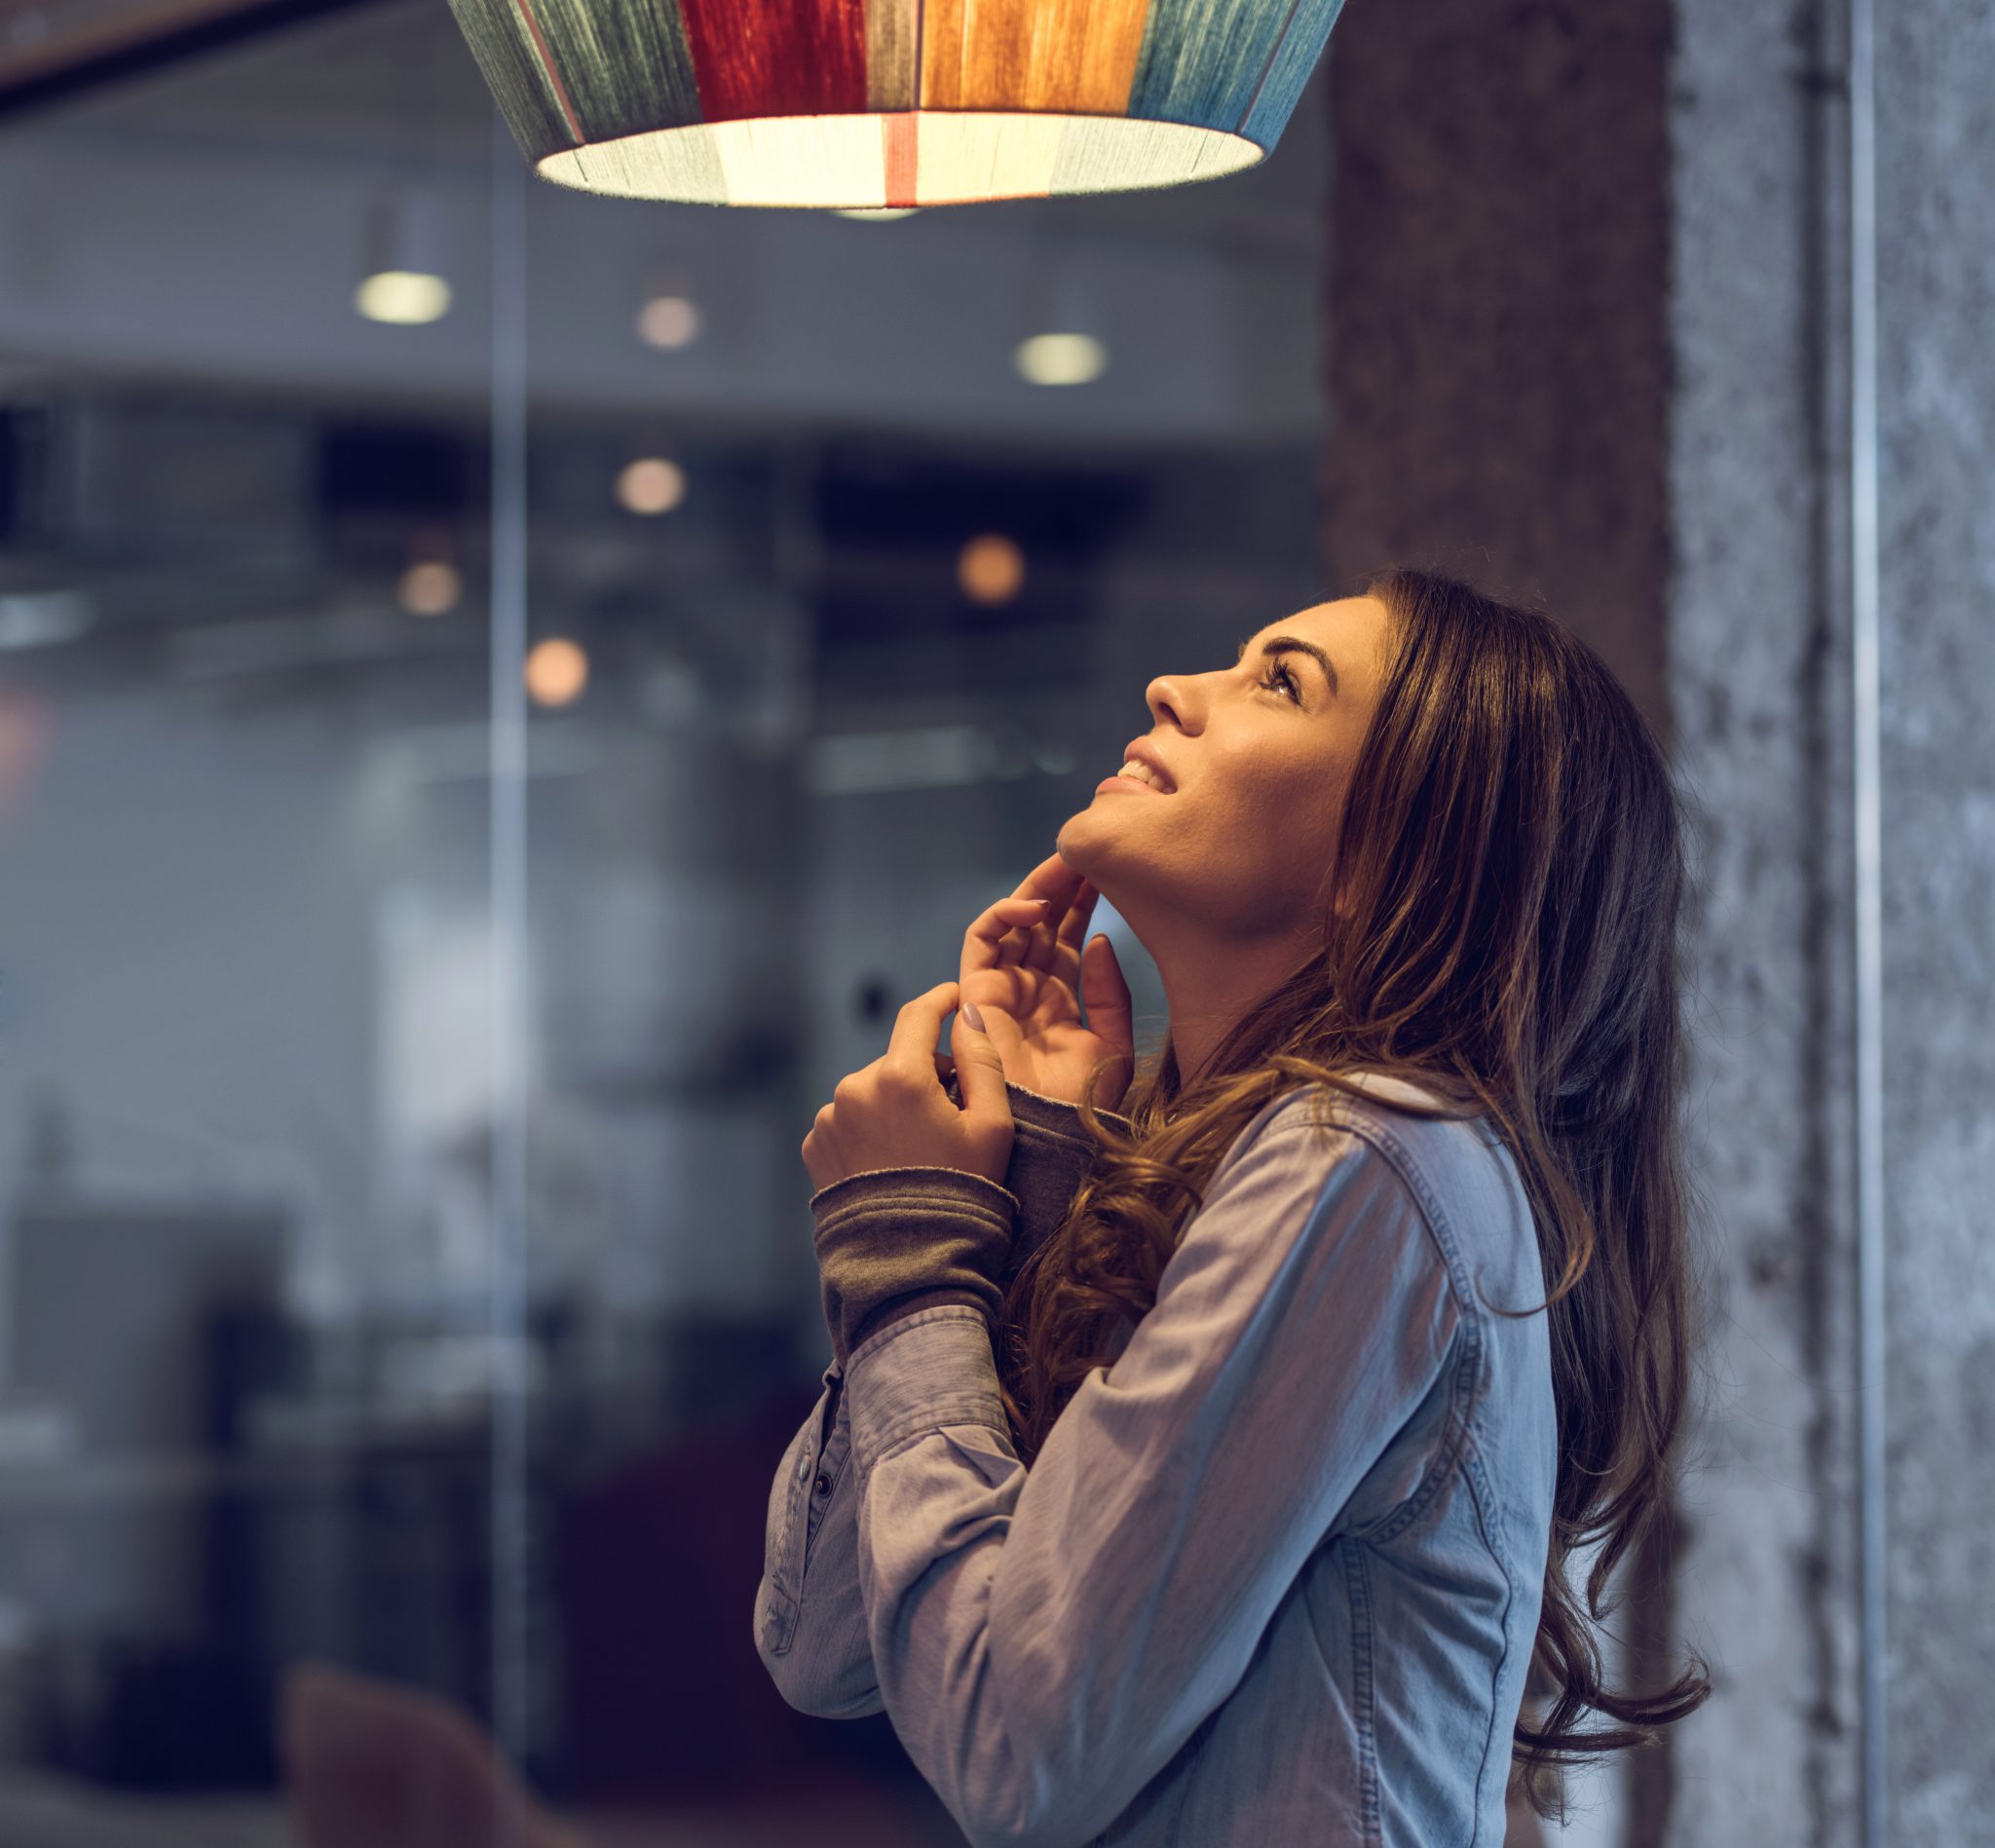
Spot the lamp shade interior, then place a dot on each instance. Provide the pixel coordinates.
(893, 103)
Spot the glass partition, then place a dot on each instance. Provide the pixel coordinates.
(476, 770)
(245, 934)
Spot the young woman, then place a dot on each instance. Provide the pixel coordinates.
(1206, 1474)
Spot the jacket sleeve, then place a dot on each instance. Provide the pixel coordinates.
(1046, 1641)
(816, 1648)
(816, 1651)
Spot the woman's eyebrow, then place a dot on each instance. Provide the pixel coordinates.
(1282, 644)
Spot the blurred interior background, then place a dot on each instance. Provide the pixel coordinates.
(849, 546)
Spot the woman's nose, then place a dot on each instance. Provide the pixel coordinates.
(1170, 694)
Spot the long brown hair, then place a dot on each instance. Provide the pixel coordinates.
(1510, 877)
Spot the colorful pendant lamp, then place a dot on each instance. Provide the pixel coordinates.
(893, 103)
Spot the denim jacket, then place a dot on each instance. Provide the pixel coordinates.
(1275, 1575)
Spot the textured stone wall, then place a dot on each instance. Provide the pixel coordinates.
(1936, 206)
(1496, 355)
(1580, 342)
(1760, 682)
(1758, 671)
(1585, 336)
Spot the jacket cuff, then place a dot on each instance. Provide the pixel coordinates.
(911, 1304)
(932, 1369)
(889, 1234)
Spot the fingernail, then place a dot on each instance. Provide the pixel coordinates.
(971, 1014)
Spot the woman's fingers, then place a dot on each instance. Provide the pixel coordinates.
(1058, 886)
(983, 943)
(1105, 992)
(918, 1024)
(1050, 908)
(1019, 945)
(1054, 881)
(1073, 925)
(1051, 879)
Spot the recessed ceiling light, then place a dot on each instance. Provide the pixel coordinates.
(405, 297)
(430, 589)
(1061, 358)
(650, 485)
(669, 320)
(556, 672)
(990, 568)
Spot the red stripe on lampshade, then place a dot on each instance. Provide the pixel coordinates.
(777, 57)
(897, 135)
(547, 58)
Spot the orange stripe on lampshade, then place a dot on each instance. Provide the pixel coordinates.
(941, 50)
(1078, 55)
(974, 53)
(1083, 57)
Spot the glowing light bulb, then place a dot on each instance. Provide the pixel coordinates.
(556, 672)
(990, 568)
(650, 485)
(1061, 358)
(669, 320)
(430, 589)
(405, 297)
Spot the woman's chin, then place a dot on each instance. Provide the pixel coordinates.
(1086, 839)
(1073, 831)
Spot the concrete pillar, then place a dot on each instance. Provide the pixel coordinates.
(1497, 345)
(1935, 205)
(1585, 341)
(1758, 669)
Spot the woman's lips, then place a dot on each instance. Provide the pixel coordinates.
(1119, 782)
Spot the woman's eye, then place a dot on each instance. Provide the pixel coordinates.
(1278, 675)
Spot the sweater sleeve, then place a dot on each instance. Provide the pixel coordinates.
(816, 1648)
(892, 1241)
(1045, 1641)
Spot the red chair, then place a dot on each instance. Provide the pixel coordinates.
(372, 1764)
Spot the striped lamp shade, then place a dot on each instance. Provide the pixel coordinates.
(893, 103)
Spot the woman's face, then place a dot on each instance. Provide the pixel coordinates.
(1260, 756)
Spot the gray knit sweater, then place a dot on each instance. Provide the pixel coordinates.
(893, 1240)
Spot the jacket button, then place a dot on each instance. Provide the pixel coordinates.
(823, 1484)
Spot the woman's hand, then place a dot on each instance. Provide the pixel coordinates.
(894, 1113)
(1027, 970)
